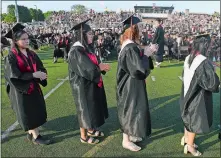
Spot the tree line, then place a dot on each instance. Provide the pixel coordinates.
(29, 14)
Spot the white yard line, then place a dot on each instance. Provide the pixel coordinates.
(180, 77)
(14, 125)
(153, 78)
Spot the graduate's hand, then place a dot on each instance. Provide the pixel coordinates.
(104, 67)
(40, 75)
(149, 50)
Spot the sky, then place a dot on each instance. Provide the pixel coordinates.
(99, 6)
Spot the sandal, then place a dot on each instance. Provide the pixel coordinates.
(95, 134)
(89, 140)
(194, 153)
(29, 137)
(184, 143)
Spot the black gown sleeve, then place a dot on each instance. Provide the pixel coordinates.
(208, 79)
(40, 67)
(21, 81)
(80, 64)
(137, 66)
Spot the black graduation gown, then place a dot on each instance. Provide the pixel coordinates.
(132, 101)
(90, 100)
(30, 108)
(197, 105)
(159, 39)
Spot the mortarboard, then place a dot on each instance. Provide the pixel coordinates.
(82, 26)
(130, 21)
(17, 27)
(213, 34)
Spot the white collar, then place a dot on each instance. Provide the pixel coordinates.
(128, 41)
(78, 44)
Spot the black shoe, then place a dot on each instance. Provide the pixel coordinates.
(29, 137)
(41, 141)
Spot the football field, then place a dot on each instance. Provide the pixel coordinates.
(163, 88)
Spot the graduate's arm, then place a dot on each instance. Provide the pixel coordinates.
(209, 80)
(13, 76)
(15, 73)
(137, 66)
(40, 67)
(82, 66)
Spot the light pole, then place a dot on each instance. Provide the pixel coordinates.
(16, 11)
(36, 13)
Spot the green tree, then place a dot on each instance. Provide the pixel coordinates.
(36, 15)
(3, 16)
(10, 18)
(40, 15)
(48, 14)
(23, 12)
(79, 9)
(61, 11)
(33, 13)
(216, 14)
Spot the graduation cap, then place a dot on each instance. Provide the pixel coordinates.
(130, 21)
(17, 27)
(213, 34)
(82, 26)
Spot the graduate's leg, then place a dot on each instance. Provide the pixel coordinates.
(184, 139)
(83, 133)
(37, 138)
(185, 135)
(87, 139)
(191, 137)
(34, 132)
(127, 144)
(189, 147)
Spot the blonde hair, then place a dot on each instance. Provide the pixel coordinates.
(131, 33)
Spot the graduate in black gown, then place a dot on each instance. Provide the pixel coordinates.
(159, 39)
(196, 102)
(87, 85)
(132, 102)
(24, 72)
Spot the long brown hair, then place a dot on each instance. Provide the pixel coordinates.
(131, 33)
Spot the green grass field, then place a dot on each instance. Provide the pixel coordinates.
(62, 126)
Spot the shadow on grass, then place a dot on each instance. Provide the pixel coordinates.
(165, 118)
(172, 65)
(67, 124)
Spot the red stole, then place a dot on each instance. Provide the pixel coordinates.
(21, 60)
(93, 58)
